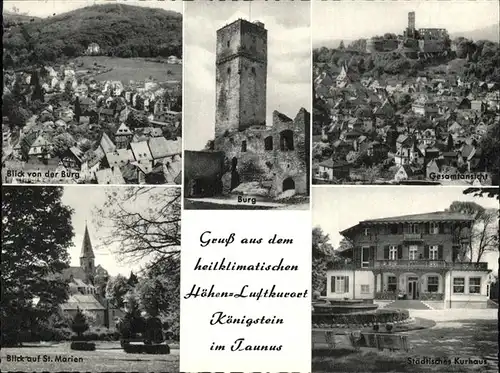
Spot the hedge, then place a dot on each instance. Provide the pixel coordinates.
(82, 346)
(162, 349)
(382, 316)
(92, 336)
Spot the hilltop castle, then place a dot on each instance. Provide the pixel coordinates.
(413, 41)
(246, 148)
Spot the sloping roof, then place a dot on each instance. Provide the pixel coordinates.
(110, 176)
(160, 147)
(83, 302)
(119, 157)
(123, 130)
(87, 251)
(430, 216)
(76, 272)
(141, 150)
(106, 144)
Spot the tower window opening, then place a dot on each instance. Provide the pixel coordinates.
(229, 70)
(228, 43)
(253, 70)
(244, 146)
(286, 140)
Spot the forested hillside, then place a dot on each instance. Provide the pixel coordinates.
(119, 30)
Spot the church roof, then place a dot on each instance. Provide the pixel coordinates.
(76, 272)
(84, 302)
(87, 251)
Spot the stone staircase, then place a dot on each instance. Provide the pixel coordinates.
(408, 305)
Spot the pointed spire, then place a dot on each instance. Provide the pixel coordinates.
(87, 251)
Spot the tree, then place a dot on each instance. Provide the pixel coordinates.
(152, 236)
(322, 252)
(484, 234)
(490, 150)
(488, 191)
(136, 119)
(79, 324)
(62, 143)
(36, 233)
(132, 323)
(152, 233)
(78, 109)
(116, 289)
(132, 280)
(341, 45)
(450, 144)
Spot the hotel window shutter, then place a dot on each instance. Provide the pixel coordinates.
(386, 252)
(427, 227)
(372, 253)
(357, 255)
(346, 283)
(400, 251)
(440, 252)
(332, 281)
(440, 227)
(426, 252)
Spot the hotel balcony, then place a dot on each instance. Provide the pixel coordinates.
(428, 264)
(410, 264)
(422, 264)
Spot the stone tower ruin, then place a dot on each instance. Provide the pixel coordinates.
(411, 24)
(241, 75)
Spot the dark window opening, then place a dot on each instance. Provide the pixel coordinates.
(228, 43)
(253, 70)
(243, 146)
(286, 140)
(268, 143)
(229, 70)
(288, 184)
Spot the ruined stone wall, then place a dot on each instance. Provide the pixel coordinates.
(431, 46)
(257, 161)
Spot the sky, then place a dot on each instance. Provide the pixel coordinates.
(351, 20)
(45, 8)
(337, 208)
(84, 200)
(288, 65)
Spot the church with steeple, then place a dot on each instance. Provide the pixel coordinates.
(85, 286)
(82, 278)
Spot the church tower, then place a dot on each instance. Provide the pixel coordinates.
(87, 255)
(241, 76)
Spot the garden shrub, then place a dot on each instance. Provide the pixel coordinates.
(82, 346)
(161, 349)
(382, 316)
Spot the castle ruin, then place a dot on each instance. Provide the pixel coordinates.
(277, 155)
(423, 41)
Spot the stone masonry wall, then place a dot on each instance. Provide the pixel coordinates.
(269, 166)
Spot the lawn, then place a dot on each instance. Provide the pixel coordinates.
(126, 69)
(108, 357)
(476, 339)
